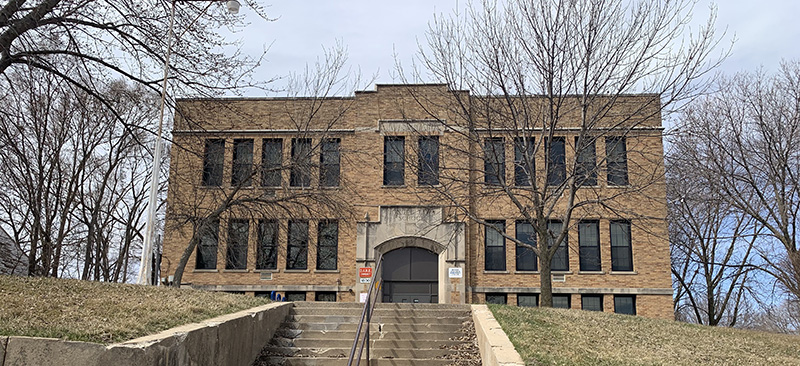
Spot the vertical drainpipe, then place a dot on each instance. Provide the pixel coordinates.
(472, 203)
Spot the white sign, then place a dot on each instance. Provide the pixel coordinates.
(455, 272)
(363, 297)
(365, 280)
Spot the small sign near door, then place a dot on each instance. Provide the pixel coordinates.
(365, 272)
(365, 280)
(455, 272)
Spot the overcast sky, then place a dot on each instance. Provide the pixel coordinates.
(766, 31)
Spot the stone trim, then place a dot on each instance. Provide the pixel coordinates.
(263, 288)
(496, 349)
(576, 290)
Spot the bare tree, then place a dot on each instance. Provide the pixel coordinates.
(553, 79)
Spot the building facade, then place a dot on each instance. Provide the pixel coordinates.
(296, 196)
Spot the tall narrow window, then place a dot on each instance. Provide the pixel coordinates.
(526, 258)
(297, 248)
(625, 304)
(267, 252)
(329, 163)
(560, 260)
(586, 162)
(207, 247)
(428, 167)
(394, 160)
(589, 245)
(213, 162)
(300, 175)
(592, 302)
(495, 246)
(494, 160)
(617, 161)
(238, 231)
(271, 162)
(621, 253)
(242, 167)
(327, 245)
(524, 165)
(556, 161)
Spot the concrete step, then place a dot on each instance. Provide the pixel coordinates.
(373, 326)
(376, 319)
(347, 343)
(360, 305)
(339, 334)
(374, 353)
(424, 313)
(328, 361)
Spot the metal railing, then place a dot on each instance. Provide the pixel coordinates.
(366, 314)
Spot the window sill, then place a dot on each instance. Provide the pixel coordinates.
(495, 272)
(326, 271)
(615, 186)
(591, 272)
(624, 273)
(266, 270)
(300, 188)
(296, 271)
(526, 272)
(393, 186)
(235, 270)
(205, 271)
(561, 272)
(429, 186)
(330, 187)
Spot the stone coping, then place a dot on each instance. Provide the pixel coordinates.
(496, 348)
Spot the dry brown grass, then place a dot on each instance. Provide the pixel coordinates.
(575, 337)
(104, 312)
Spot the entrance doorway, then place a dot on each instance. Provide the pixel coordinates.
(411, 275)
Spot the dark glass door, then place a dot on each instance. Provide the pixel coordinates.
(411, 275)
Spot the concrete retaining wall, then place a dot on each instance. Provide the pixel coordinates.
(229, 340)
(496, 348)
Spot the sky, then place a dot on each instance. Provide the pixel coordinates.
(374, 31)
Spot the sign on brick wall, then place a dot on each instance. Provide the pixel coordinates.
(365, 272)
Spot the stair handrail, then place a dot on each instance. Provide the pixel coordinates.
(366, 314)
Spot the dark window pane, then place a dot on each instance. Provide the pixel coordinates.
(495, 246)
(556, 161)
(238, 231)
(213, 162)
(271, 161)
(327, 244)
(496, 299)
(560, 260)
(242, 166)
(586, 162)
(295, 296)
(207, 247)
(428, 161)
(325, 296)
(526, 258)
(528, 300)
(616, 161)
(561, 301)
(592, 302)
(297, 249)
(394, 161)
(621, 253)
(589, 245)
(625, 304)
(300, 175)
(267, 245)
(524, 163)
(329, 165)
(494, 160)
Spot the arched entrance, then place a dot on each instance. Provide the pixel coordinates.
(411, 275)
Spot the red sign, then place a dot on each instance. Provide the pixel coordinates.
(365, 272)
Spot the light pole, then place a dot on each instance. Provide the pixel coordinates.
(145, 271)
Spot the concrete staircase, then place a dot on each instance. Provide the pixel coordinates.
(321, 333)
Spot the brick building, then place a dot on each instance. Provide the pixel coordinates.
(302, 192)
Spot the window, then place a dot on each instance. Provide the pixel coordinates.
(329, 163)
(589, 245)
(560, 260)
(526, 258)
(297, 249)
(300, 175)
(586, 162)
(328, 296)
(528, 300)
(616, 161)
(592, 302)
(271, 162)
(428, 167)
(524, 165)
(496, 299)
(621, 255)
(562, 301)
(242, 172)
(237, 244)
(267, 252)
(394, 160)
(213, 162)
(327, 244)
(625, 304)
(295, 296)
(495, 246)
(556, 161)
(207, 247)
(494, 160)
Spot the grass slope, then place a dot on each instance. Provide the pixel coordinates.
(575, 337)
(104, 312)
